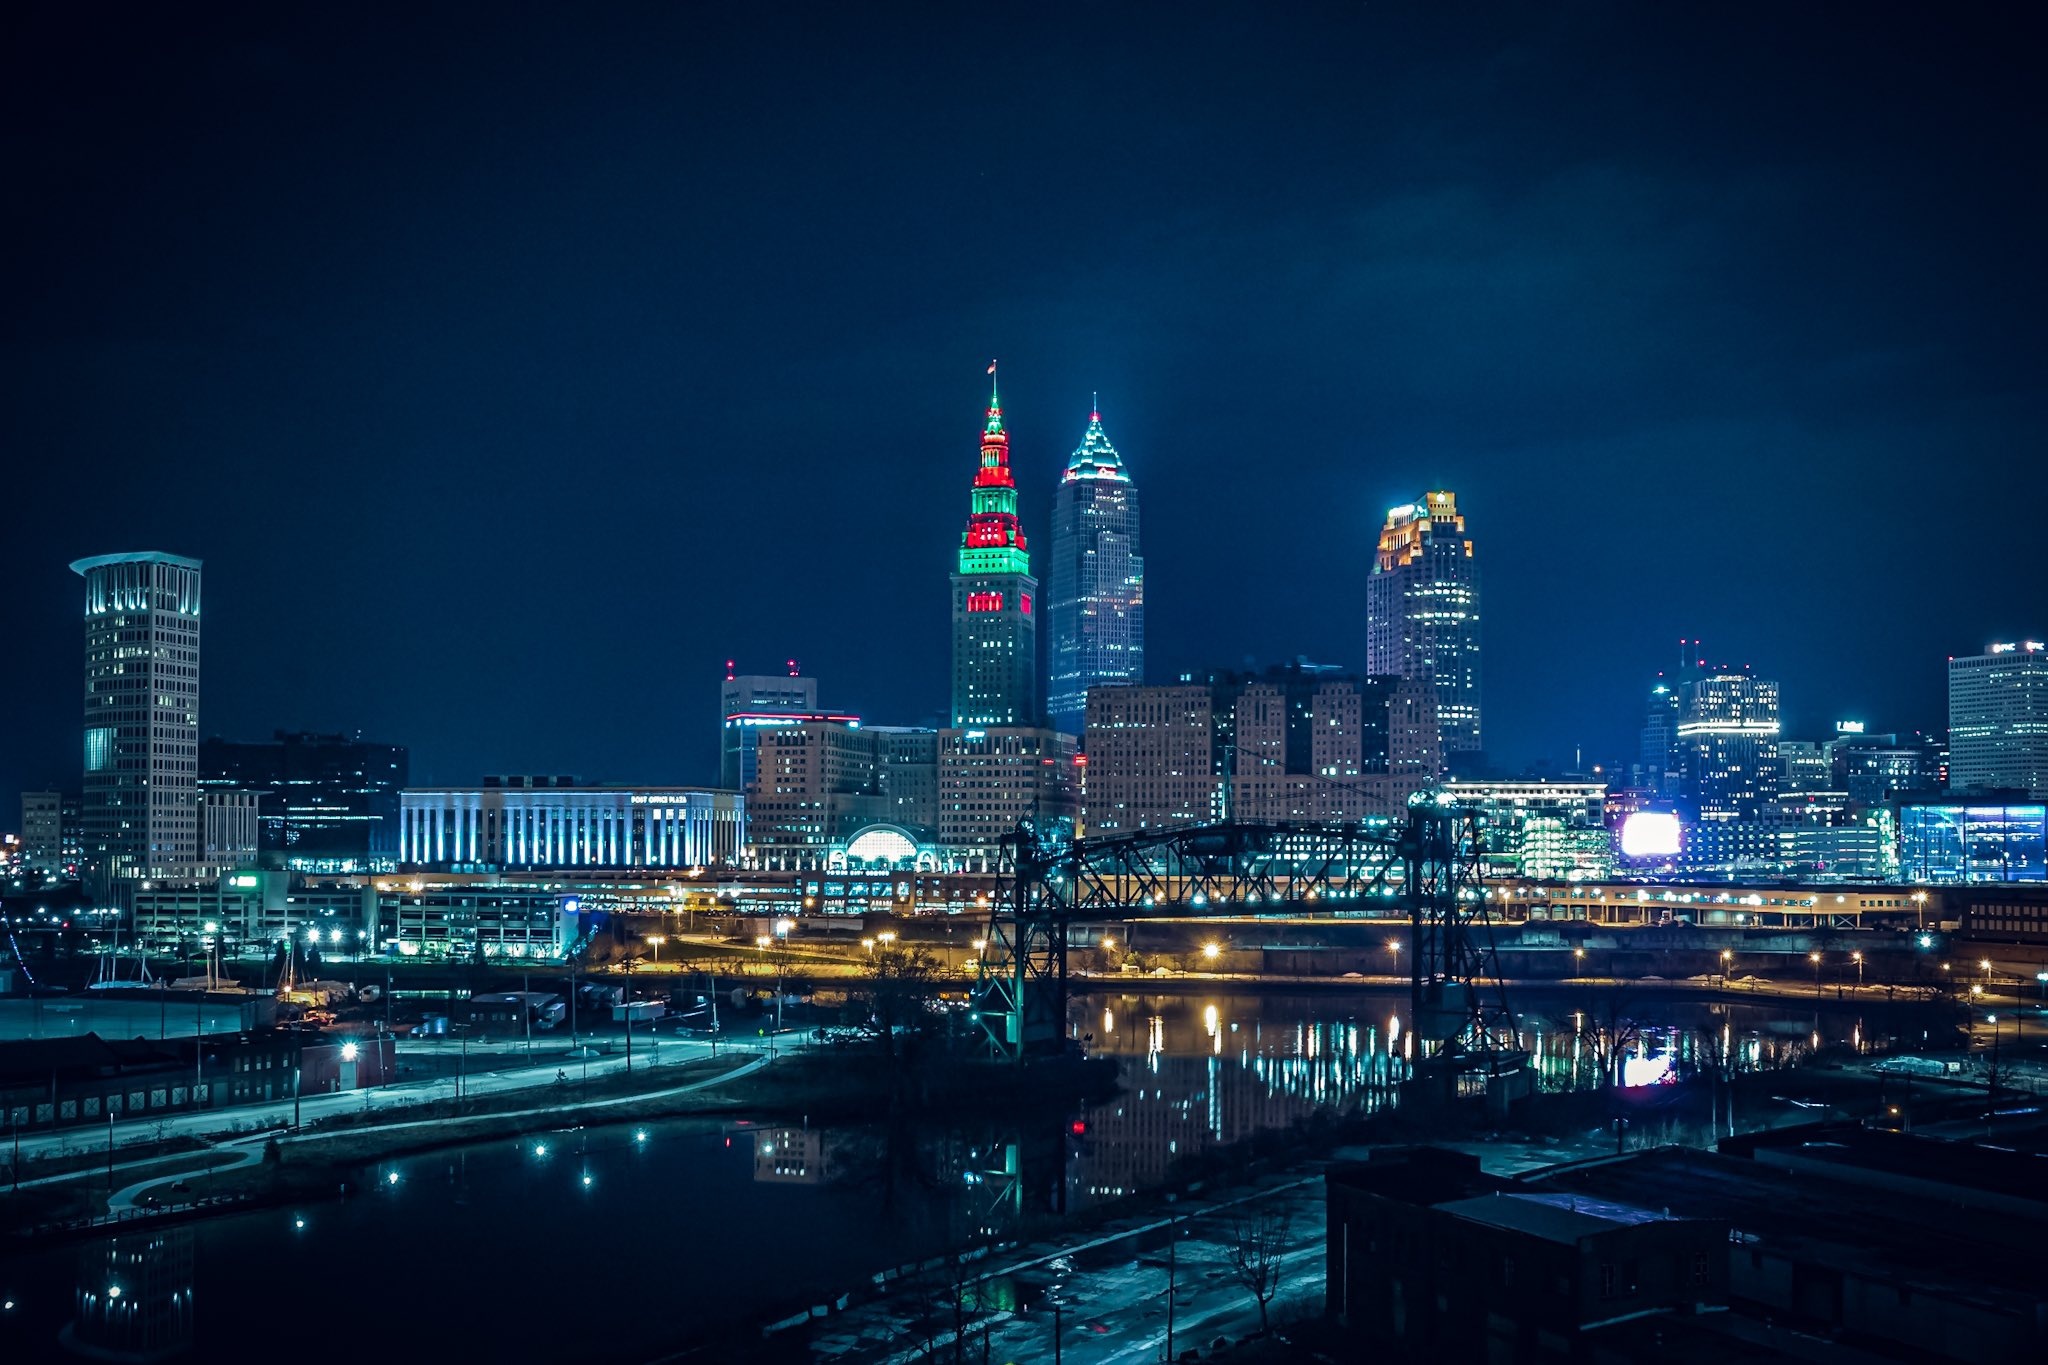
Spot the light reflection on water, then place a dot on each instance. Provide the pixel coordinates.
(703, 1214)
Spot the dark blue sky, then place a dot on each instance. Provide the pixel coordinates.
(513, 368)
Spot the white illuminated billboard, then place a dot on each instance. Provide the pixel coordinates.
(1650, 834)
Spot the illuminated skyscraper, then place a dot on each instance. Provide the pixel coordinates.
(1422, 611)
(1998, 719)
(995, 633)
(1096, 611)
(1728, 745)
(141, 812)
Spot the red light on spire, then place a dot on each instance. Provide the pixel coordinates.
(728, 670)
(792, 668)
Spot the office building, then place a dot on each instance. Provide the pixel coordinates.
(819, 784)
(1538, 828)
(556, 822)
(330, 803)
(42, 832)
(1998, 719)
(1804, 766)
(229, 831)
(1656, 768)
(1095, 612)
(994, 778)
(995, 625)
(813, 781)
(907, 760)
(751, 702)
(1992, 839)
(1422, 611)
(1728, 732)
(1301, 743)
(141, 792)
(1874, 768)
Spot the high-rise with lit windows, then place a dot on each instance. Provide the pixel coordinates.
(1998, 719)
(1422, 611)
(995, 628)
(1095, 590)
(1728, 744)
(141, 811)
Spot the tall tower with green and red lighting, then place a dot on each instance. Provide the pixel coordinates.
(995, 622)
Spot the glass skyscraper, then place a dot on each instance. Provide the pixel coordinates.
(1422, 611)
(995, 633)
(141, 811)
(1097, 609)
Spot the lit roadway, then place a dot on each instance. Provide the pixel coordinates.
(1113, 1297)
(278, 1113)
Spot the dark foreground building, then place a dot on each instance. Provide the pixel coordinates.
(330, 803)
(1817, 1243)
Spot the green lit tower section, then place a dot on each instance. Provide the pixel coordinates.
(995, 627)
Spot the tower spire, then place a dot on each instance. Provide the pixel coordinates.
(995, 404)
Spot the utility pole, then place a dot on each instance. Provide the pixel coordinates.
(1172, 1266)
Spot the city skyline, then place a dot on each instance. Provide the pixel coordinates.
(1667, 327)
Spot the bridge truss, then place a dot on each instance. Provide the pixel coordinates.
(1430, 864)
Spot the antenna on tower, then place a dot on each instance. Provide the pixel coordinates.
(792, 668)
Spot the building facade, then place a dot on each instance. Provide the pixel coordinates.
(330, 802)
(993, 778)
(529, 823)
(1991, 840)
(750, 702)
(1539, 828)
(1998, 719)
(995, 622)
(1422, 611)
(1096, 585)
(1728, 745)
(141, 806)
(42, 832)
(230, 825)
(1295, 744)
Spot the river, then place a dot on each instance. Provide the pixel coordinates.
(621, 1243)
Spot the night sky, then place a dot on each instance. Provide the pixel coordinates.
(511, 369)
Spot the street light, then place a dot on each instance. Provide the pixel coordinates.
(869, 944)
(1858, 956)
(886, 937)
(1578, 959)
(1726, 958)
(1814, 958)
(1212, 951)
(1394, 951)
(657, 940)
(1108, 943)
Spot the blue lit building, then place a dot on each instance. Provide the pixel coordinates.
(1096, 613)
(1989, 840)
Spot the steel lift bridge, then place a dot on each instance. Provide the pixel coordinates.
(1428, 864)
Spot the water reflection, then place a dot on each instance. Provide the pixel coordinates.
(839, 1204)
(134, 1298)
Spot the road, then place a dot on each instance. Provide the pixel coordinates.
(209, 1123)
(1112, 1288)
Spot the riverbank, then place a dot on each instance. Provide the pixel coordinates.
(343, 1154)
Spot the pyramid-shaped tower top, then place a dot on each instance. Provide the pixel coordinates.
(1095, 457)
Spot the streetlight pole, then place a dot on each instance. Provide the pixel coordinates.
(1815, 959)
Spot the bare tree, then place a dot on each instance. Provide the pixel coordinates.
(1256, 1247)
(1607, 1029)
(897, 1002)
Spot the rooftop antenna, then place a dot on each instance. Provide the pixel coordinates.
(792, 668)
